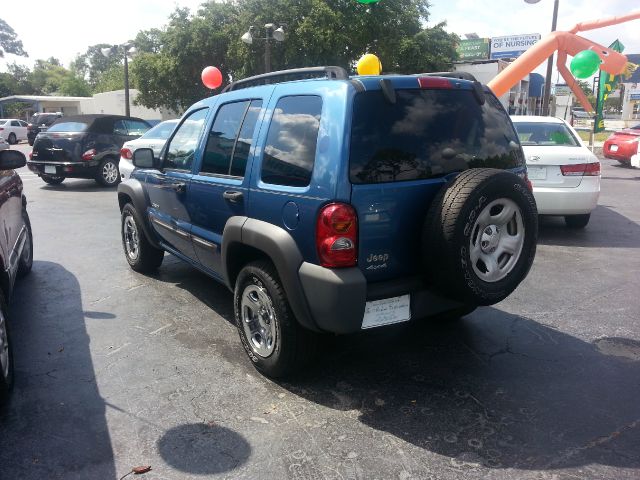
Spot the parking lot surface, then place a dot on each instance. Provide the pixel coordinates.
(116, 369)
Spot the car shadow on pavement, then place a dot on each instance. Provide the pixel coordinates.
(598, 233)
(493, 389)
(54, 425)
(77, 185)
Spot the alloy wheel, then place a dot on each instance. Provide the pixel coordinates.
(258, 320)
(110, 172)
(131, 238)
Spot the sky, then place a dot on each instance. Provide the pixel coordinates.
(68, 33)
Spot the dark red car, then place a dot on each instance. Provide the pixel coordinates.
(622, 145)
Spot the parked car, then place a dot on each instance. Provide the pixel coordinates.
(3, 144)
(564, 173)
(39, 123)
(622, 145)
(16, 254)
(13, 130)
(84, 146)
(336, 204)
(153, 139)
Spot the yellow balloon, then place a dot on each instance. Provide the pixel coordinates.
(369, 64)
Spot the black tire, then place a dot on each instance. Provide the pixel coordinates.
(108, 174)
(26, 258)
(148, 257)
(577, 221)
(294, 346)
(451, 229)
(52, 180)
(30, 142)
(6, 380)
(12, 140)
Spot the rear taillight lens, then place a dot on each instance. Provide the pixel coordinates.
(337, 236)
(581, 169)
(434, 82)
(30, 155)
(126, 153)
(89, 154)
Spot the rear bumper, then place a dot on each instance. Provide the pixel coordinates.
(568, 201)
(337, 298)
(125, 167)
(624, 152)
(65, 169)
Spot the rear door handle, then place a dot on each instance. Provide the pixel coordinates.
(232, 196)
(179, 187)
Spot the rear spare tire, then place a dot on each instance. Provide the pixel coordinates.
(480, 234)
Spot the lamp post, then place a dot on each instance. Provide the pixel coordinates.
(271, 33)
(547, 81)
(126, 49)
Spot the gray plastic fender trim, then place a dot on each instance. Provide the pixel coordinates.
(133, 189)
(281, 248)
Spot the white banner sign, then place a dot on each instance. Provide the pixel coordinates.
(512, 46)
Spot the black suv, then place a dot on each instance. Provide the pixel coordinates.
(16, 252)
(39, 123)
(84, 146)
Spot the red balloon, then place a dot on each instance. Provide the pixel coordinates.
(211, 77)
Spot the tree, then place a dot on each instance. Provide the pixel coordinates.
(92, 64)
(586, 88)
(9, 42)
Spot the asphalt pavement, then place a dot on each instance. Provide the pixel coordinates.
(115, 369)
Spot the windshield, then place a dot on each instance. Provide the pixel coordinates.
(68, 127)
(428, 133)
(545, 134)
(161, 131)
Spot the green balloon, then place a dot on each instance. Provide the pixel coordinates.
(585, 64)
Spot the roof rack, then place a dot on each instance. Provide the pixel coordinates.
(332, 73)
(459, 75)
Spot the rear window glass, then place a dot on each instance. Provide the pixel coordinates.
(160, 131)
(68, 127)
(428, 133)
(549, 134)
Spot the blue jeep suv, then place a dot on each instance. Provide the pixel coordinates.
(330, 203)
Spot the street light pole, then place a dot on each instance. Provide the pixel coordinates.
(271, 33)
(127, 109)
(547, 82)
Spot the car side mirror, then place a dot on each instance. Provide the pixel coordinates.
(144, 158)
(12, 159)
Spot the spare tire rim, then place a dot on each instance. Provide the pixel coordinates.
(110, 172)
(258, 320)
(4, 346)
(496, 240)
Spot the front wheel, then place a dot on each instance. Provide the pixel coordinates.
(52, 180)
(108, 173)
(273, 339)
(577, 221)
(26, 258)
(6, 354)
(140, 254)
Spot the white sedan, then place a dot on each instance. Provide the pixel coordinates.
(154, 139)
(13, 130)
(564, 173)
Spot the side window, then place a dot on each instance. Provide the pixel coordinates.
(23, 123)
(136, 127)
(180, 151)
(230, 138)
(290, 150)
(15, 123)
(119, 128)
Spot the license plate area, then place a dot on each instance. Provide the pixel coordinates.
(387, 311)
(50, 169)
(537, 173)
(614, 148)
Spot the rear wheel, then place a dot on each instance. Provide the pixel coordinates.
(6, 354)
(577, 221)
(480, 236)
(26, 258)
(52, 180)
(30, 142)
(273, 339)
(12, 139)
(140, 254)
(108, 174)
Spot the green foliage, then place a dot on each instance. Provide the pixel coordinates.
(92, 64)
(9, 42)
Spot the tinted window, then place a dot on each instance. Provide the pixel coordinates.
(428, 133)
(222, 138)
(136, 127)
(68, 127)
(243, 144)
(120, 128)
(179, 153)
(538, 133)
(161, 131)
(290, 150)
(15, 123)
(23, 123)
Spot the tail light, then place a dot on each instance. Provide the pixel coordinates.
(581, 169)
(337, 236)
(525, 177)
(30, 155)
(1, 129)
(126, 153)
(89, 154)
(434, 82)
